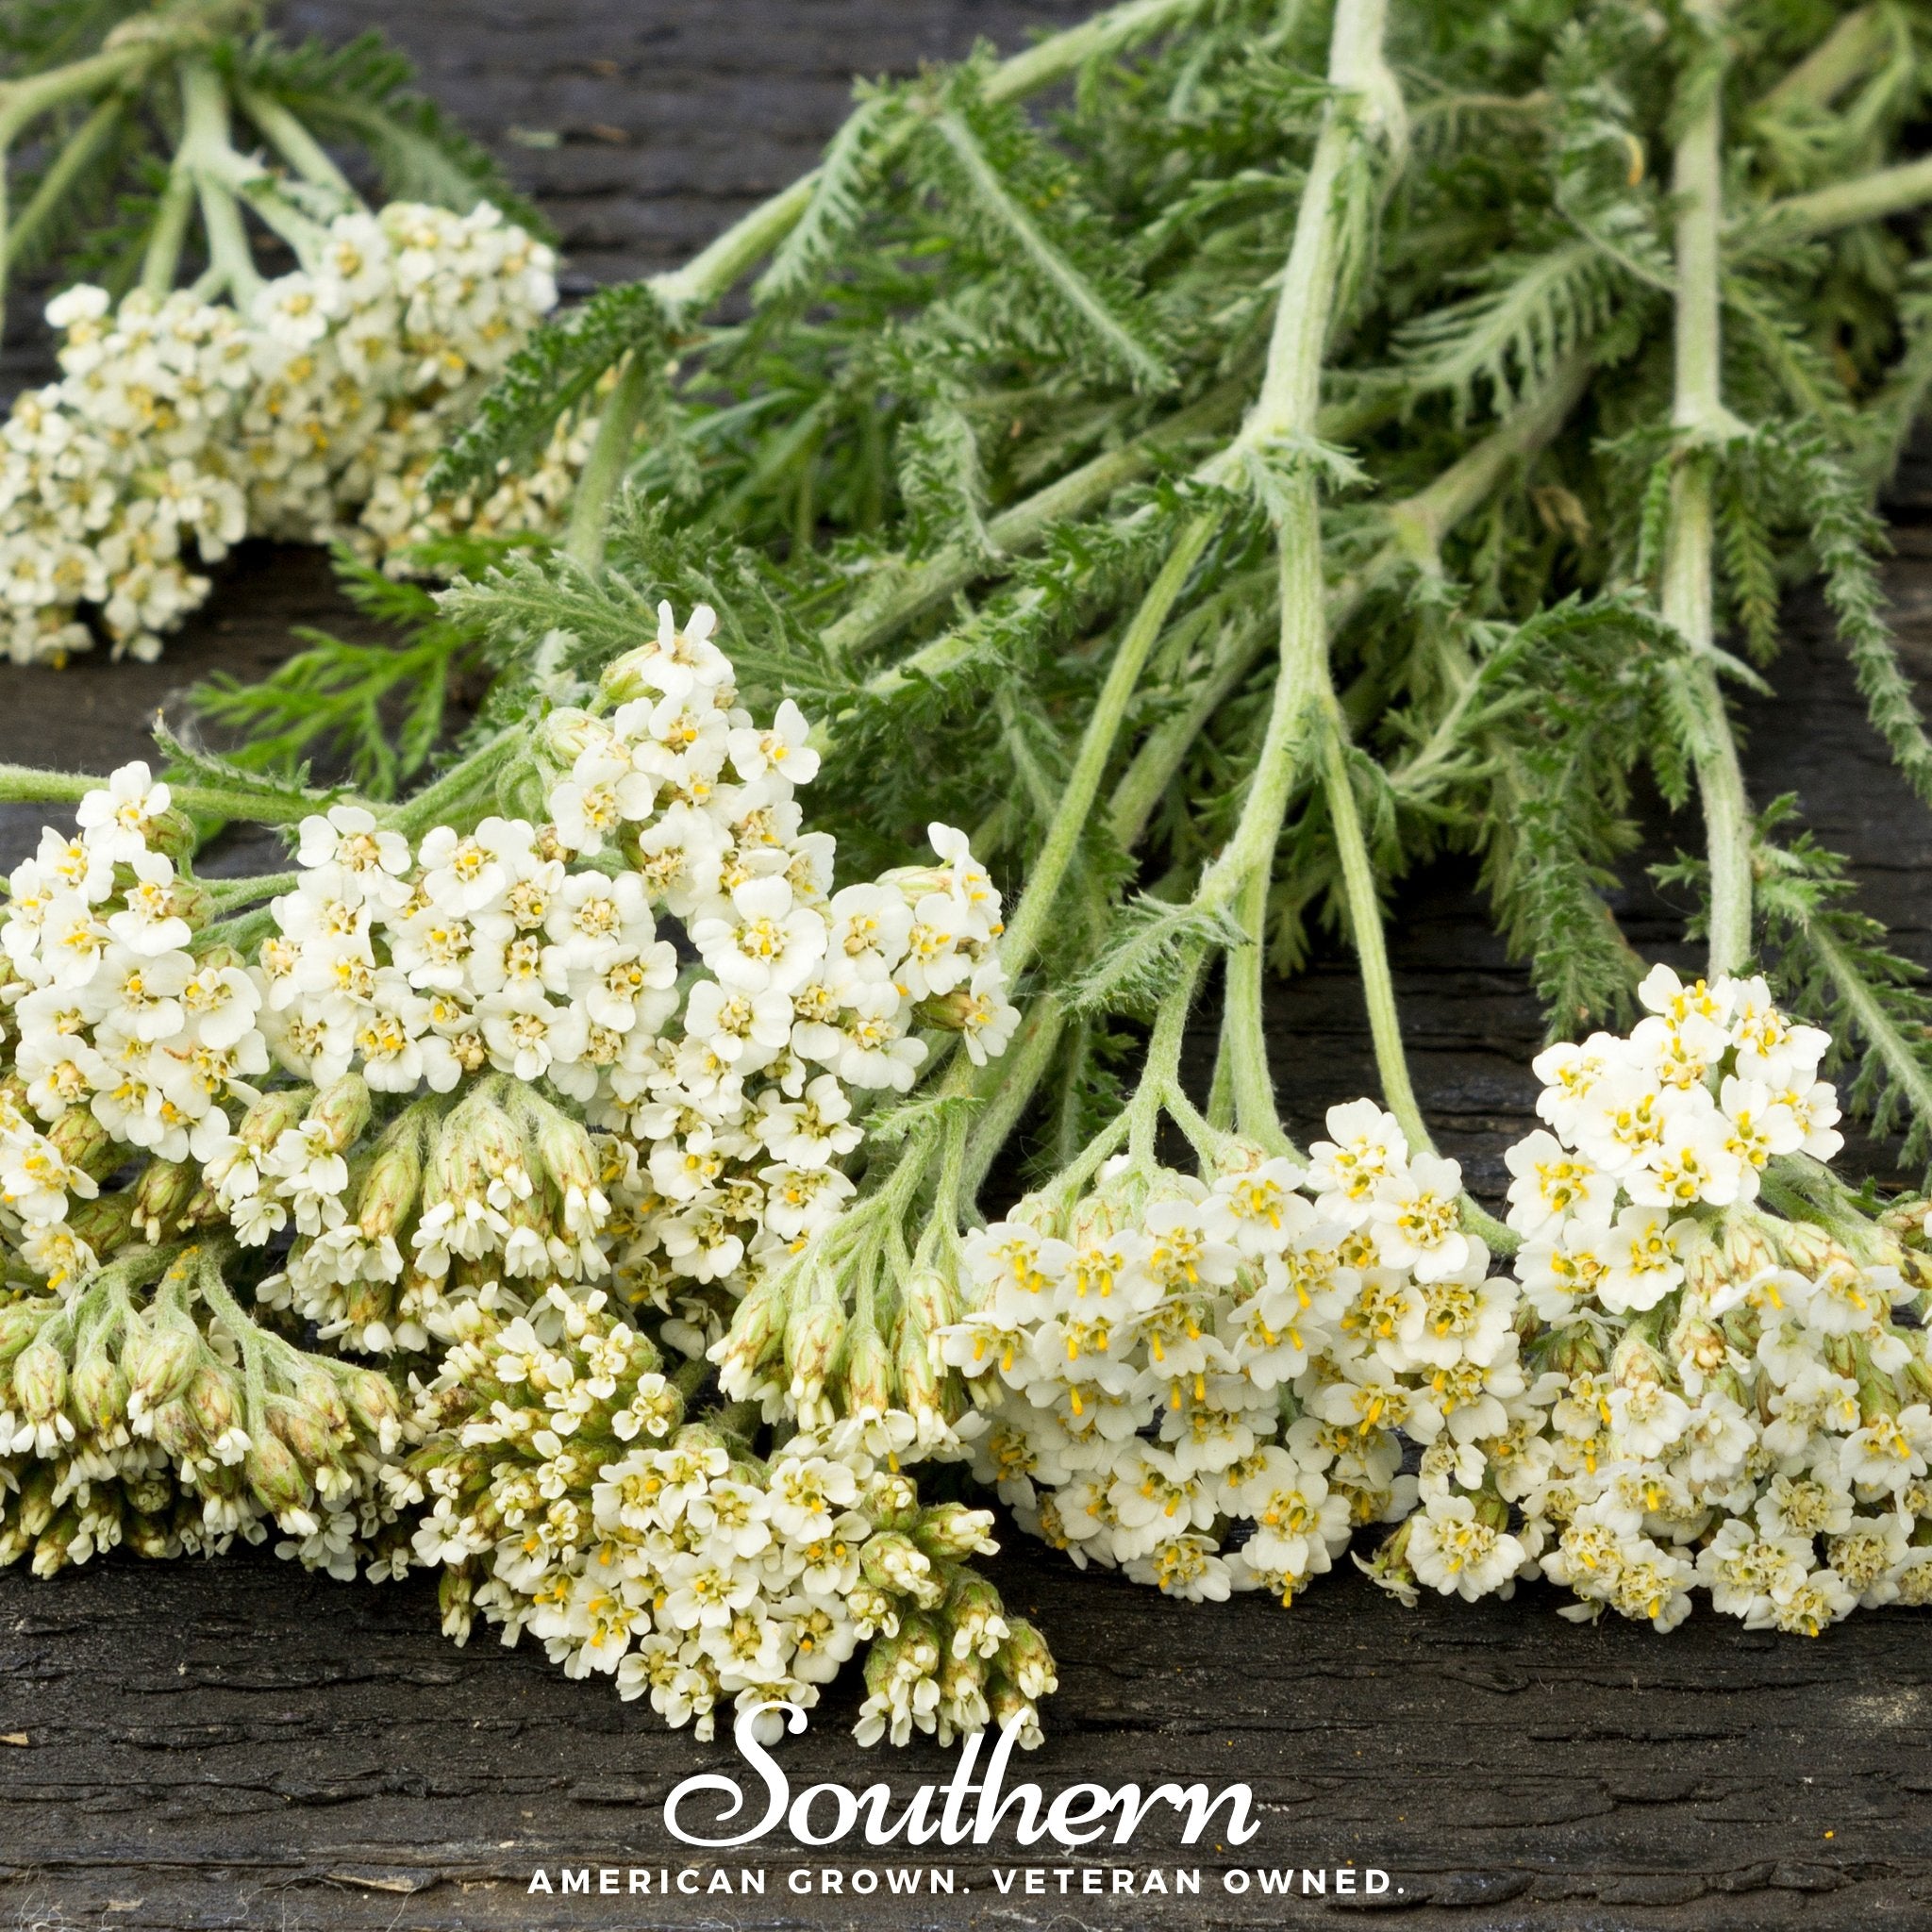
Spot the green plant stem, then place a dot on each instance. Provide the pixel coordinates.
(228, 894)
(905, 595)
(296, 145)
(205, 138)
(1702, 423)
(1417, 526)
(416, 815)
(1021, 1068)
(168, 236)
(1370, 945)
(1160, 1077)
(1873, 197)
(597, 488)
(1075, 808)
(720, 266)
(23, 784)
(1242, 1058)
(1877, 1025)
(1844, 56)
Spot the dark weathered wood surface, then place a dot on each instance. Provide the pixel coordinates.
(240, 1745)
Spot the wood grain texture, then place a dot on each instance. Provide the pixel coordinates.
(238, 1745)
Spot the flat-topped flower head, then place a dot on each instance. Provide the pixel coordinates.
(1726, 1384)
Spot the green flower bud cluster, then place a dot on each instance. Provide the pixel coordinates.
(149, 1409)
(571, 1491)
(455, 1193)
(847, 1328)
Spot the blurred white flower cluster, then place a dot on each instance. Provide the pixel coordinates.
(178, 426)
(1734, 1406)
(481, 1060)
(566, 1494)
(1212, 1384)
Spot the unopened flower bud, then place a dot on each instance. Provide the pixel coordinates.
(172, 834)
(56, 1548)
(100, 1388)
(1013, 1710)
(921, 1381)
(149, 1494)
(929, 1296)
(1025, 1660)
(1637, 1363)
(81, 1140)
(104, 1224)
(625, 676)
(275, 1475)
(976, 1615)
(1747, 1253)
(949, 1012)
(342, 1110)
(303, 1427)
(211, 1401)
(568, 732)
(868, 1373)
(39, 1380)
(951, 1530)
(191, 900)
(163, 1188)
(814, 1335)
(393, 1180)
(891, 1560)
(962, 1678)
(175, 1429)
(150, 1537)
(455, 1595)
(35, 1510)
(371, 1402)
(890, 1500)
(272, 1116)
(20, 1323)
(161, 1358)
(758, 1328)
(523, 789)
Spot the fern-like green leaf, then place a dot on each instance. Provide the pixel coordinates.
(548, 377)
(1529, 314)
(1024, 205)
(846, 178)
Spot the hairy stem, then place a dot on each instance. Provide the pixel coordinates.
(1879, 1028)
(1702, 423)
(905, 596)
(1035, 907)
(1242, 1061)
(1873, 197)
(1370, 945)
(597, 488)
(23, 784)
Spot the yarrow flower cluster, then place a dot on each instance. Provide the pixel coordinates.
(481, 1057)
(178, 426)
(568, 1494)
(1211, 1383)
(1738, 1392)
(461, 1081)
